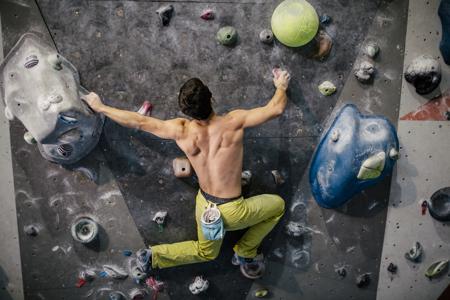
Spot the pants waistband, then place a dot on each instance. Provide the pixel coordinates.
(217, 200)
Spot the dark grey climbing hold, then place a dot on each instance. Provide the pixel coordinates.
(392, 268)
(84, 230)
(364, 72)
(415, 253)
(31, 230)
(341, 271)
(165, 14)
(439, 206)
(424, 73)
(266, 36)
(116, 296)
(325, 19)
(227, 36)
(363, 280)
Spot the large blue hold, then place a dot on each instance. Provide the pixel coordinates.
(348, 144)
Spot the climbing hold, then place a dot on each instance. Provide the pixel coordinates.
(393, 154)
(295, 229)
(8, 114)
(80, 282)
(246, 177)
(146, 108)
(363, 280)
(127, 252)
(324, 45)
(116, 296)
(31, 61)
(87, 275)
(160, 217)
(29, 138)
(392, 268)
(55, 61)
(155, 285)
(266, 36)
(84, 230)
(341, 271)
(415, 253)
(424, 207)
(439, 206)
(436, 269)
(327, 88)
(424, 73)
(372, 167)
(165, 14)
(182, 167)
(364, 72)
(261, 293)
(227, 36)
(115, 272)
(137, 294)
(372, 49)
(199, 285)
(325, 19)
(137, 273)
(277, 177)
(444, 45)
(31, 230)
(336, 164)
(436, 109)
(295, 22)
(207, 14)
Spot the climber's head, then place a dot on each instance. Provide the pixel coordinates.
(195, 99)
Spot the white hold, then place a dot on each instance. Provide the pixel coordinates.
(160, 217)
(29, 138)
(393, 154)
(295, 229)
(372, 50)
(8, 114)
(372, 167)
(199, 285)
(365, 71)
(335, 135)
(246, 177)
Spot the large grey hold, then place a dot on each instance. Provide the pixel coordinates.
(42, 89)
(424, 73)
(364, 72)
(439, 205)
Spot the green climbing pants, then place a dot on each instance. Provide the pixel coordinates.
(261, 213)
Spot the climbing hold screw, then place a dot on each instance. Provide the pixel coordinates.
(414, 254)
(227, 36)
(266, 36)
(31, 61)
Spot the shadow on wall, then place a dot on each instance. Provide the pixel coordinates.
(4, 294)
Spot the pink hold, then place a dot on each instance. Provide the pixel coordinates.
(146, 108)
(207, 14)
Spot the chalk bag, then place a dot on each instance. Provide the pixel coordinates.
(212, 223)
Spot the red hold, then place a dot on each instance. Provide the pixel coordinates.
(207, 14)
(146, 108)
(437, 109)
(424, 207)
(80, 282)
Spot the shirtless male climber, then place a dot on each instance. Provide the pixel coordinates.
(214, 146)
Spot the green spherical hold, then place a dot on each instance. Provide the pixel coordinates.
(227, 35)
(295, 22)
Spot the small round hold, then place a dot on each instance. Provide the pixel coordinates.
(266, 36)
(8, 114)
(227, 36)
(31, 230)
(393, 154)
(55, 61)
(29, 138)
(372, 50)
(335, 135)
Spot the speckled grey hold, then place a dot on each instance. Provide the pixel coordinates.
(266, 36)
(372, 50)
(364, 72)
(424, 73)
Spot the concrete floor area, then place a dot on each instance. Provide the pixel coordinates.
(123, 53)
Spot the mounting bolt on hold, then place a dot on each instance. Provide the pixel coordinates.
(84, 230)
(182, 167)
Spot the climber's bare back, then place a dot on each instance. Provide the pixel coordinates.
(215, 150)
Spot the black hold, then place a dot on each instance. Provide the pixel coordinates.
(363, 280)
(325, 19)
(31, 230)
(439, 206)
(342, 272)
(266, 36)
(165, 14)
(392, 268)
(444, 15)
(424, 73)
(415, 253)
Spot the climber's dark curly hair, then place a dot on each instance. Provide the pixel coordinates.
(195, 99)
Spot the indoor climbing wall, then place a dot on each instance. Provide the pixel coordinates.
(421, 171)
(123, 53)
